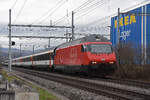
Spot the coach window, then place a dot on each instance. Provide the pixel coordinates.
(38, 57)
(43, 57)
(24, 60)
(27, 59)
(47, 56)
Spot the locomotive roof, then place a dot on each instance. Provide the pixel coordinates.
(90, 38)
(93, 38)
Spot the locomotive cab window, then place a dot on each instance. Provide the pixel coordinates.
(100, 48)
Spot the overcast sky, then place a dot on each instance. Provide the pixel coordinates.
(33, 9)
(37, 11)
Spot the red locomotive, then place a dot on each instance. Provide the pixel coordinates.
(91, 54)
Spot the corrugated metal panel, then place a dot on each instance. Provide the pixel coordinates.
(134, 29)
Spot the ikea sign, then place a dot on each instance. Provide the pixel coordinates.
(126, 20)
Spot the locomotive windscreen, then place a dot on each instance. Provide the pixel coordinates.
(100, 48)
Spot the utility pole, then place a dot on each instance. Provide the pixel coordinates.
(118, 26)
(118, 42)
(49, 43)
(50, 22)
(33, 49)
(73, 26)
(66, 35)
(20, 49)
(9, 65)
(49, 38)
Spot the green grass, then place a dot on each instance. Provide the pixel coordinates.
(43, 94)
(9, 78)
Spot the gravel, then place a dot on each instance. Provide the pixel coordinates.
(67, 91)
(77, 94)
(122, 86)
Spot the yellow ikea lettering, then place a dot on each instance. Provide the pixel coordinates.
(126, 20)
(121, 22)
(115, 23)
(132, 19)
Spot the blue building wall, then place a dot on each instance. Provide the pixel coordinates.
(134, 29)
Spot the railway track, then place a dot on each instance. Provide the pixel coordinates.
(125, 82)
(100, 89)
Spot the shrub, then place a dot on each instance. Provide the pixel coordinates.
(130, 63)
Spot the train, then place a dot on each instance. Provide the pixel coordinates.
(91, 55)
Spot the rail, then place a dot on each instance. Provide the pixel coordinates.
(109, 91)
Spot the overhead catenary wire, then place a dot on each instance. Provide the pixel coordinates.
(50, 10)
(59, 20)
(114, 14)
(86, 2)
(100, 20)
(14, 4)
(50, 14)
(91, 8)
(87, 12)
(83, 5)
(23, 5)
(78, 9)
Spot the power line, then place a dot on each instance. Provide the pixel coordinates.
(23, 5)
(83, 5)
(14, 4)
(93, 7)
(137, 5)
(61, 19)
(114, 14)
(78, 9)
(52, 12)
(46, 12)
(75, 10)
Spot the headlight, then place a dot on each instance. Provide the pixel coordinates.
(93, 62)
(111, 62)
